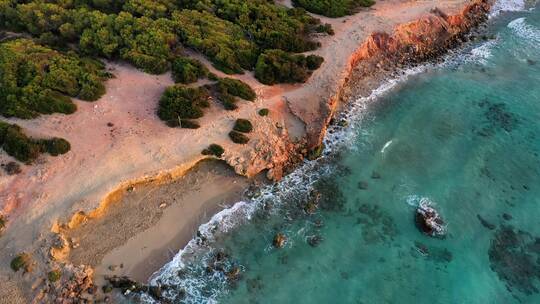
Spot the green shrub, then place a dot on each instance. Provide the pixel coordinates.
(229, 106)
(37, 80)
(213, 149)
(313, 62)
(276, 66)
(54, 275)
(238, 137)
(316, 152)
(243, 125)
(22, 261)
(333, 8)
(26, 149)
(180, 102)
(187, 70)
(264, 112)
(236, 88)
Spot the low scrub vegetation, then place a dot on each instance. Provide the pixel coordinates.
(238, 138)
(179, 103)
(26, 149)
(187, 70)
(213, 149)
(2, 223)
(333, 8)
(276, 66)
(243, 125)
(22, 261)
(54, 275)
(38, 80)
(264, 112)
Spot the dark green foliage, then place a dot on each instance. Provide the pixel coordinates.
(37, 80)
(316, 152)
(180, 102)
(213, 149)
(264, 112)
(238, 138)
(235, 87)
(223, 42)
(313, 62)
(276, 66)
(54, 275)
(333, 8)
(325, 28)
(187, 70)
(243, 125)
(26, 149)
(22, 261)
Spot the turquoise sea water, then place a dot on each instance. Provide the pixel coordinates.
(464, 136)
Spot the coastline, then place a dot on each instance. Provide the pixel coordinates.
(181, 232)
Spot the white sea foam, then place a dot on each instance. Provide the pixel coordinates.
(525, 31)
(506, 6)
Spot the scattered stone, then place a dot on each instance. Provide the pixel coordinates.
(428, 220)
(531, 62)
(110, 124)
(375, 175)
(233, 274)
(279, 240)
(314, 240)
(485, 223)
(113, 267)
(506, 216)
(12, 168)
(163, 205)
(362, 185)
(130, 189)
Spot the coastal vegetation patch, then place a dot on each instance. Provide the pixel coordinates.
(22, 261)
(180, 103)
(213, 149)
(277, 66)
(243, 125)
(263, 112)
(38, 80)
(26, 149)
(150, 34)
(187, 70)
(238, 138)
(333, 8)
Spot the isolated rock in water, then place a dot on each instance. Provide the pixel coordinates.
(428, 220)
(279, 240)
(314, 240)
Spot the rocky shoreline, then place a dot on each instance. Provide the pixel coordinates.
(382, 54)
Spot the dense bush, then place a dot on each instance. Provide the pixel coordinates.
(223, 42)
(213, 149)
(22, 261)
(37, 80)
(2, 223)
(333, 8)
(231, 33)
(235, 87)
(180, 102)
(276, 66)
(187, 70)
(238, 138)
(26, 149)
(243, 125)
(264, 112)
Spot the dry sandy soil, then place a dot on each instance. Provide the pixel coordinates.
(140, 148)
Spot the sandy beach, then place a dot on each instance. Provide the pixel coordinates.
(132, 191)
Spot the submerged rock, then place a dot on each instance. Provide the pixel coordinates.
(485, 223)
(428, 220)
(506, 216)
(279, 240)
(314, 240)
